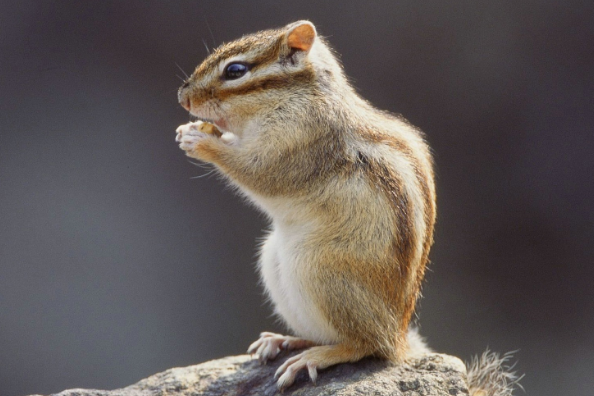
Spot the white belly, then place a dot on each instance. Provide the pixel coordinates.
(280, 270)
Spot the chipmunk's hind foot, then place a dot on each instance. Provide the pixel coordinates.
(314, 359)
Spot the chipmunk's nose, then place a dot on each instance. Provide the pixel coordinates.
(183, 96)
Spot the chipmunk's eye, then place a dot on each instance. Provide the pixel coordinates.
(234, 71)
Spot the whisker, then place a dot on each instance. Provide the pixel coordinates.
(203, 166)
(204, 175)
(214, 44)
(182, 70)
(206, 46)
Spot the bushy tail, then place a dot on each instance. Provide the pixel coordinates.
(492, 375)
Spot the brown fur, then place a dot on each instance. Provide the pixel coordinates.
(360, 182)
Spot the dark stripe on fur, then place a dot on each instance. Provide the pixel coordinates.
(268, 83)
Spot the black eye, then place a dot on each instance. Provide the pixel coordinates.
(234, 71)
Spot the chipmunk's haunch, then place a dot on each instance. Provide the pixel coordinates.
(348, 189)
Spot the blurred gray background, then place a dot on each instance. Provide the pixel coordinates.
(117, 263)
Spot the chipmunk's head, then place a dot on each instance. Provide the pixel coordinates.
(256, 75)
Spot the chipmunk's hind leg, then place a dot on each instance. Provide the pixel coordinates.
(269, 345)
(314, 359)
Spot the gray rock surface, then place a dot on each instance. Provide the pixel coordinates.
(434, 374)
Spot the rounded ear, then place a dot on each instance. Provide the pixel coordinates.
(301, 35)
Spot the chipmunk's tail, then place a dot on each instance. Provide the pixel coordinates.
(487, 375)
(492, 375)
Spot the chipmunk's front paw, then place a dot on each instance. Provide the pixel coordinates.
(269, 345)
(190, 134)
(200, 140)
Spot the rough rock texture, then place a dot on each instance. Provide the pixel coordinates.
(433, 374)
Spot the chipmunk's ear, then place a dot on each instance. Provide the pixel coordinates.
(301, 35)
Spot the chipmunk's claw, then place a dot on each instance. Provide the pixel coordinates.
(287, 372)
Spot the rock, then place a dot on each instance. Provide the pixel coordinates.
(433, 374)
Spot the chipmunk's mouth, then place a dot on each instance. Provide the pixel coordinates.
(209, 112)
(220, 130)
(220, 123)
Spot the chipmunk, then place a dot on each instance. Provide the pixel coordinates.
(348, 189)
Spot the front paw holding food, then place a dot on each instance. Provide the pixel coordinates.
(191, 133)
